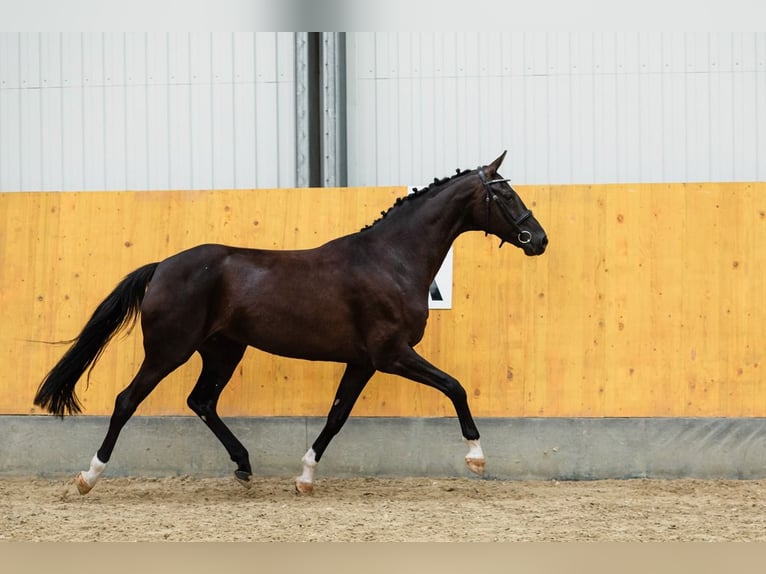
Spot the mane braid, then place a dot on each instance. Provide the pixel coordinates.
(416, 193)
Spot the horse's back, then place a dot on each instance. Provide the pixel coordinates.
(294, 303)
(327, 303)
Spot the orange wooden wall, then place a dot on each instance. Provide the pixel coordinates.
(649, 301)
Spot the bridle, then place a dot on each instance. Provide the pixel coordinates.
(523, 235)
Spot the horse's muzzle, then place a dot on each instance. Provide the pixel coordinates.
(536, 246)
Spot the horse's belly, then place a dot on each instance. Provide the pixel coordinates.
(301, 339)
(310, 350)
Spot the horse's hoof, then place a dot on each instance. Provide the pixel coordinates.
(82, 486)
(304, 487)
(243, 478)
(475, 465)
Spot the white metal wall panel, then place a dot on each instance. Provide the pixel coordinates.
(286, 110)
(570, 108)
(116, 111)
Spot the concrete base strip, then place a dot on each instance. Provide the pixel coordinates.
(516, 448)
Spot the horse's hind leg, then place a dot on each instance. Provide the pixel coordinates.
(220, 356)
(126, 403)
(351, 385)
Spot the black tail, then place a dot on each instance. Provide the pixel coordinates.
(122, 306)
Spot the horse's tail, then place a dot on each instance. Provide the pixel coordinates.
(56, 392)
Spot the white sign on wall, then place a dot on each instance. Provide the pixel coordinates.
(440, 292)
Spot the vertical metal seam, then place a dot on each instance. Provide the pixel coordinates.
(571, 108)
(685, 76)
(105, 139)
(640, 115)
(302, 146)
(709, 107)
(168, 88)
(255, 109)
(332, 115)
(42, 127)
(1, 116)
(83, 161)
(191, 111)
(21, 122)
(125, 106)
(147, 124)
(757, 115)
(212, 114)
(325, 123)
(422, 135)
(619, 176)
(525, 82)
(378, 98)
(233, 110)
(550, 79)
(341, 162)
(276, 87)
(732, 79)
(663, 172)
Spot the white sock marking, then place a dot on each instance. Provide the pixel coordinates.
(309, 466)
(474, 449)
(92, 475)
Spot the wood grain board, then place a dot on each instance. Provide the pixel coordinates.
(648, 302)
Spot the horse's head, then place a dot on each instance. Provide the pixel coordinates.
(505, 214)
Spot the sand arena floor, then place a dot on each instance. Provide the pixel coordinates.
(382, 509)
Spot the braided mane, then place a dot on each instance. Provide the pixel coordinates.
(416, 194)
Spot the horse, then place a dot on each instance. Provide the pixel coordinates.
(367, 308)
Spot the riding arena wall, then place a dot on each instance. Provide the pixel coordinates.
(642, 323)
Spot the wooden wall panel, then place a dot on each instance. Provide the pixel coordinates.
(649, 302)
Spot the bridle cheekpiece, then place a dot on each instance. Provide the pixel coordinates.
(523, 235)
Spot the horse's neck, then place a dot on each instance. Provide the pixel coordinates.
(421, 231)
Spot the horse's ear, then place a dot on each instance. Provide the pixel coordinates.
(495, 165)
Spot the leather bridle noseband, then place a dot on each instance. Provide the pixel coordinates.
(523, 235)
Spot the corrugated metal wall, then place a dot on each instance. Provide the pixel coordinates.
(571, 108)
(194, 111)
(116, 111)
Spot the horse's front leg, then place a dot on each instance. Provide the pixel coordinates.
(414, 367)
(351, 384)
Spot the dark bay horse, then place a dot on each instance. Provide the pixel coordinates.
(367, 308)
